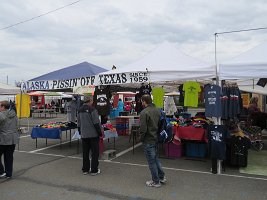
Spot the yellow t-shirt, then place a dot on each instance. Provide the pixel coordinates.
(191, 93)
(23, 102)
(158, 94)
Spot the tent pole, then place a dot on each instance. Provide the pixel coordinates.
(216, 68)
(218, 119)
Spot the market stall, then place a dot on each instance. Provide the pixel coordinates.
(249, 72)
(164, 66)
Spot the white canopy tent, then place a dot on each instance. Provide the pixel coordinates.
(8, 89)
(166, 63)
(246, 69)
(251, 86)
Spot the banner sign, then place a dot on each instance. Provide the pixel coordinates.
(102, 79)
(57, 84)
(122, 78)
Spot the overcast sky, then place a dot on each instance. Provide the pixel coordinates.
(118, 32)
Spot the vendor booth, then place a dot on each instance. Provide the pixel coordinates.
(164, 66)
(249, 71)
(48, 85)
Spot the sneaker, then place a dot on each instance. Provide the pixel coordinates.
(85, 173)
(96, 173)
(3, 175)
(8, 177)
(153, 184)
(163, 180)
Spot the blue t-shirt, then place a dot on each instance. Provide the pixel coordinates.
(213, 106)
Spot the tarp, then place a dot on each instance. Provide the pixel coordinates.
(165, 63)
(8, 89)
(75, 71)
(248, 65)
(37, 93)
(64, 79)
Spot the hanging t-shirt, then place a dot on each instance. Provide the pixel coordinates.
(225, 102)
(181, 97)
(212, 94)
(138, 107)
(71, 108)
(158, 94)
(102, 100)
(169, 106)
(217, 135)
(23, 102)
(145, 89)
(191, 93)
(234, 104)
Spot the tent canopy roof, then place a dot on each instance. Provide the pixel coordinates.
(75, 71)
(248, 65)
(8, 89)
(166, 63)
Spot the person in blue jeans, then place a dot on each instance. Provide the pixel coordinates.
(149, 118)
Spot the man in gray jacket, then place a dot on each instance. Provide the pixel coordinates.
(149, 120)
(90, 130)
(8, 138)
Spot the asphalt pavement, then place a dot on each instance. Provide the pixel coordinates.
(54, 172)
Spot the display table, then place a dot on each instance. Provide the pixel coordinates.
(51, 133)
(124, 124)
(195, 141)
(190, 133)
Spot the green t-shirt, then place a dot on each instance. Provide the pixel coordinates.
(158, 93)
(191, 93)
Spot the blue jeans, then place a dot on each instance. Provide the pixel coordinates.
(150, 151)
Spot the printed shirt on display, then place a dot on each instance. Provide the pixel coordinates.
(102, 101)
(213, 106)
(191, 93)
(158, 94)
(217, 135)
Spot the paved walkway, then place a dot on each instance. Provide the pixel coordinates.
(54, 172)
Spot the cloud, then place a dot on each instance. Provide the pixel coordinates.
(108, 32)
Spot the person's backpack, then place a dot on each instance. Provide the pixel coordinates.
(164, 130)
